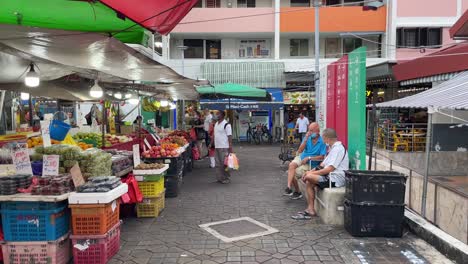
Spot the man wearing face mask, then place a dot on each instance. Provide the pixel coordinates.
(222, 140)
(311, 152)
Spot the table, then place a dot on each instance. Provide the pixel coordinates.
(27, 197)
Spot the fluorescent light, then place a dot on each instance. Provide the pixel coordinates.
(96, 91)
(172, 105)
(128, 95)
(24, 96)
(133, 101)
(32, 78)
(118, 95)
(164, 103)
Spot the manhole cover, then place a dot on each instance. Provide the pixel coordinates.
(386, 252)
(238, 229)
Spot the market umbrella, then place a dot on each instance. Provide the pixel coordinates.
(232, 90)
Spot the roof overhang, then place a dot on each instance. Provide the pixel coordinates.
(459, 30)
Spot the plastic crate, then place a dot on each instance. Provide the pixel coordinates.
(151, 207)
(94, 219)
(96, 249)
(375, 186)
(32, 205)
(151, 189)
(373, 220)
(35, 225)
(150, 178)
(40, 252)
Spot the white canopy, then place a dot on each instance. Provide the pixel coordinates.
(452, 94)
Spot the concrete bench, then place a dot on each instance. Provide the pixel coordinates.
(328, 204)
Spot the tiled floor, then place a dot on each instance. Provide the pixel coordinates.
(256, 192)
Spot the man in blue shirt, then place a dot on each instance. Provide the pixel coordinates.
(311, 152)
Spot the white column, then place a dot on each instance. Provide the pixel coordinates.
(277, 29)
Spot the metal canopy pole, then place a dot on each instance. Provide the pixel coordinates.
(317, 4)
(430, 112)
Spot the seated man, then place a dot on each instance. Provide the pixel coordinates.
(336, 161)
(312, 150)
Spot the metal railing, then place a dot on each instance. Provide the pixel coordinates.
(406, 137)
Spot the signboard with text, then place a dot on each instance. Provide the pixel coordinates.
(323, 99)
(22, 162)
(341, 100)
(50, 165)
(331, 85)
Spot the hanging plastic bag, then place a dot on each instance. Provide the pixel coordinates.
(195, 153)
(69, 140)
(134, 194)
(193, 134)
(231, 162)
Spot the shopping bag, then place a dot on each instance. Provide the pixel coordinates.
(193, 134)
(195, 153)
(134, 194)
(231, 162)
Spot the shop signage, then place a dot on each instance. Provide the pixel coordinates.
(357, 109)
(136, 155)
(331, 85)
(76, 175)
(22, 162)
(50, 165)
(296, 98)
(341, 107)
(45, 131)
(254, 48)
(322, 107)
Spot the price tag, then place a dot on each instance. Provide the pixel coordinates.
(45, 130)
(147, 143)
(76, 175)
(22, 162)
(155, 138)
(136, 155)
(50, 165)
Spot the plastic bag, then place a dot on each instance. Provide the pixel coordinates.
(193, 134)
(195, 153)
(134, 194)
(231, 162)
(69, 140)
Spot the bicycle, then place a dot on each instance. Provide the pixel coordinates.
(265, 134)
(252, 135)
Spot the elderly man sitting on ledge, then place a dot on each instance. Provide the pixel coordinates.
(336, 161)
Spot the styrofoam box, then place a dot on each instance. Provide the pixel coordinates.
(98, 198)
(151, 172)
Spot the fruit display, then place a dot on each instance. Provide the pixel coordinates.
(181, 133)
(121, 163)
(179, 140)
(37, 141)
(96, 139)
(95, 162)
(149, 166)
(85, 146)
(10, 184)
(162, 151)
(55, 185)
(100, 184)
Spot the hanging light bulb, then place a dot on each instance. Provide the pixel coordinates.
(118, 95)
(32, 78)
(133, 101)
(128, 95)
(96, 91)
(24, 96)
(164, 103)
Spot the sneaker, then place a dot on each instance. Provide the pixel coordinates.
(296, 196)
(288, 192)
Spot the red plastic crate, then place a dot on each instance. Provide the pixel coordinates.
(97, 249)
(37, 252)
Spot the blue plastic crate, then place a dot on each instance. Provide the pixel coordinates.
(26, 206)
(35, 225)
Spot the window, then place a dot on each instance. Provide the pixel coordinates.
(419, 37)
(199, 4)
(299, 47)
(300, 3)
(245, 3)
(350, 44)
(213, 3)
(213, 49)
(332, 2)
(194, 50)
(332, 48)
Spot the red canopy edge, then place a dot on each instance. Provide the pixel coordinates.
(460, 28)
(448, 60)
(155, 15)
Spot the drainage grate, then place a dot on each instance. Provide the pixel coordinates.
(389, 252)
(238, 229)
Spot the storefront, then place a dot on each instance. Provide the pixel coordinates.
(299, 102)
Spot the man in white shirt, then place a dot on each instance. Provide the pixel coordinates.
(331, 169)
(302, 125)
(223, 146)
(206, 125)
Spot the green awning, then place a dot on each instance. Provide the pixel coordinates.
(264, 74)
(232, 90)
(85, 16)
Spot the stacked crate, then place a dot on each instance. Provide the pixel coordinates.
(36, 232)
(95, 232)
(152, 188)
(174, 174)
(374, 203)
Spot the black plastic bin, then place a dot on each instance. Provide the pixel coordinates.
(176, 164)
(373, 220)
(172, 185)
(387, 187)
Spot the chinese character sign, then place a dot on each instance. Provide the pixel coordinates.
(323, 98)
(331, 86)
(357, 109)
(341, 107)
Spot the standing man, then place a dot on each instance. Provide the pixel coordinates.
(223, 147)
(301, 125)
(206, 125)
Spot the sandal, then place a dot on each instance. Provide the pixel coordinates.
(304, 215)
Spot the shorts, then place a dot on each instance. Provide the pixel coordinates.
(301, 169)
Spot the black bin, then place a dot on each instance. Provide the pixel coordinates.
(176, 164)
(373, 220)
(387, 187)
(172, 185)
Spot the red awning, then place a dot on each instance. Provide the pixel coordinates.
(451, 59)
(155, 15)
(460, 29)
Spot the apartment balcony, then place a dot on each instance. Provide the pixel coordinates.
(333, 19)
(228, 20)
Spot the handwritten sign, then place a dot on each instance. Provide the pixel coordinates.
(155, 138)
(45, 131)
(50, 165)
(147, 143)
(77, 177)
(22, 162)
(136, 155)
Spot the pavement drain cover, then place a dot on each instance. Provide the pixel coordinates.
(386, 252)
(238, 229)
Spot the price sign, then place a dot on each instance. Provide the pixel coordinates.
(45, 130)
(22, 162)
(147, 143)
(50, 165)
(136, 155)
(76, 175)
